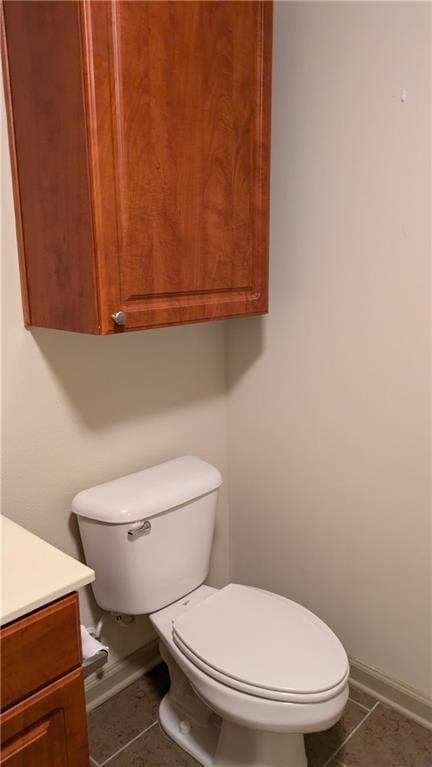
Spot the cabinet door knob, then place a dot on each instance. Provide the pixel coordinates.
(119, 318)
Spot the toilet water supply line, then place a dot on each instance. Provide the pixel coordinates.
(122, 620)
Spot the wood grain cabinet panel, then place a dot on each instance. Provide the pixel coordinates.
(139, 135)
(39, 648)
(48, 729)
(43, 721)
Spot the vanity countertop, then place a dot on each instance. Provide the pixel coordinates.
(34, 572)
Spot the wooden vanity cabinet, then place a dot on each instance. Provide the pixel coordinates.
(139, 135)
(43, 718)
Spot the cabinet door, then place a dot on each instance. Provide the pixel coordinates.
(179, 106)
(39, 648)
(49, 729)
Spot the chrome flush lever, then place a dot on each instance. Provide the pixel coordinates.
(139, 528)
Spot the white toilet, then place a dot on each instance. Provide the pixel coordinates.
(250, 671)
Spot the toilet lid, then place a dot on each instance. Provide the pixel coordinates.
(262, 643)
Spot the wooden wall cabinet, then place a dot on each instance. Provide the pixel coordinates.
(139, 135)
(43, 719)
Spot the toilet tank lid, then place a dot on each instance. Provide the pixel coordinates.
(149, 492)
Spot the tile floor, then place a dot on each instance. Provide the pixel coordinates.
(124, 732)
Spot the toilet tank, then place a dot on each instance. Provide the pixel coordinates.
(148, 535)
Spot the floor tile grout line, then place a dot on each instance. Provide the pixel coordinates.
(129, 743)
(93, 762)
(361, 705)
(344, 742)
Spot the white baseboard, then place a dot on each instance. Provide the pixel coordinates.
(397, 695)
(111, 679)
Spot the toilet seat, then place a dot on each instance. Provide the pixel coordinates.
(263, 644)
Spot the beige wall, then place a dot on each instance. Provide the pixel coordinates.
(80, 410)
(329, 395)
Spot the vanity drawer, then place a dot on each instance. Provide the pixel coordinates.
(39, 648)
(48, 729)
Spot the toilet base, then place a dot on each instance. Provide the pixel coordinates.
(198, 740)
(219, 743)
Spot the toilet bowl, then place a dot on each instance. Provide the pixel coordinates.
(221, 719)
(251, 671)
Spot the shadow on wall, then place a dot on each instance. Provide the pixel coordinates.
(116, 379)
(248, 335)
